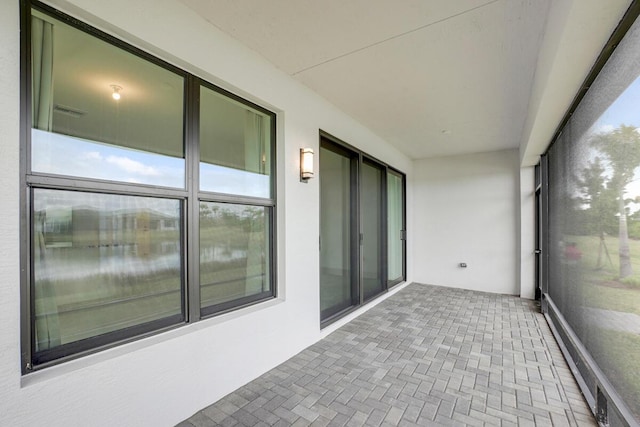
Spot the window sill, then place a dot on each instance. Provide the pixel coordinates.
(94, 359)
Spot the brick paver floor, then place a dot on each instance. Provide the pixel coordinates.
(427, 356)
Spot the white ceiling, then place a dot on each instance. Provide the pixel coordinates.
(432, 77)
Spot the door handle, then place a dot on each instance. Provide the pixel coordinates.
(537, 251)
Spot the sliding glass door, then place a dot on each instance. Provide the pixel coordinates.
(362, 248)
(373, 238)
(338, 230)
(396, 248)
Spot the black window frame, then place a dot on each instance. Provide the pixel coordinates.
(189, 197)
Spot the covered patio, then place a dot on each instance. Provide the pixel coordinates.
(428, 355)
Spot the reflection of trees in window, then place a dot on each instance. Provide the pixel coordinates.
(233, 251)
(598, 207)
(603, 184)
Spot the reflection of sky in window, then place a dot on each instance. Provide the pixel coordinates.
(625, 110)
(64, 155)
(225, 180)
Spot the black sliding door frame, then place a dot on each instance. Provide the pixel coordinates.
(358, 238)
(354, 237)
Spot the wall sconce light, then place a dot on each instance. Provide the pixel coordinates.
(306, 164)
(116, 91)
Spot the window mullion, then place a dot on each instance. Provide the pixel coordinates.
(192, 143)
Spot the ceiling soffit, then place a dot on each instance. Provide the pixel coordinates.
(432, 78)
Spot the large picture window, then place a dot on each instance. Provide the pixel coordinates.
(149, 193)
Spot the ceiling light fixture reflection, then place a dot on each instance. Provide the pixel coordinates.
(116, 92)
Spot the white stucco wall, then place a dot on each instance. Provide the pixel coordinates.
(165, 378)
(465, 210)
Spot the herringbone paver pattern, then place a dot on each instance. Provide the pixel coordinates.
(427, 356)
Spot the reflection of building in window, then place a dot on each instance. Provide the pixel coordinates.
(90, 227)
